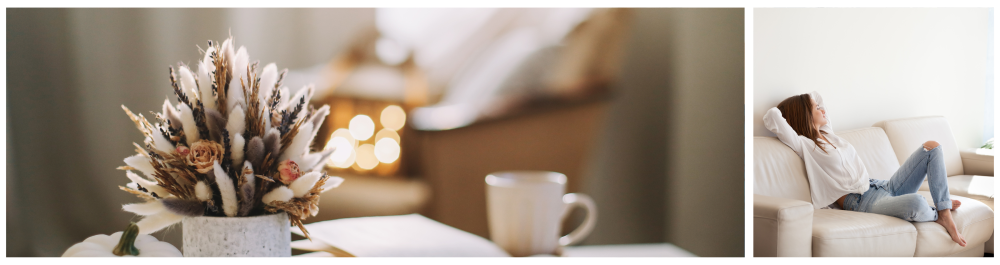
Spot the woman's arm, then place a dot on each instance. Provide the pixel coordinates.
(777, 125)
(819, 102)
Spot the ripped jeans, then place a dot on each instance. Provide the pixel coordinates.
(897, 196)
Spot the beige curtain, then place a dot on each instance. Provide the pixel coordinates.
(669, 165)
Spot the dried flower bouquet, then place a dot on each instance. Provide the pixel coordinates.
(235, 144)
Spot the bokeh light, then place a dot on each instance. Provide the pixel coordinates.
(348, 162)
(344, 155)
(362, 127)
(344, 149)
(393, 117)
(346, 134)
(387, 133)
(387, 150)
(366, 157)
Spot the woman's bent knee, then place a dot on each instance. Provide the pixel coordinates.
(929, 145)
(927, 214)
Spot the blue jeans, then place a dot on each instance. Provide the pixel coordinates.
(897, 196)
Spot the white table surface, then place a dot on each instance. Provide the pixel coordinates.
(625, 250)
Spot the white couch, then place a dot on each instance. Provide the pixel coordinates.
(786, 224)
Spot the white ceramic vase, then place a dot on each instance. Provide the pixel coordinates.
(256, 236)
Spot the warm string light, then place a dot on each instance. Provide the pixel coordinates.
(393, 117)
(362, 127)
(386, 148)
(366, 157)
(386, 132)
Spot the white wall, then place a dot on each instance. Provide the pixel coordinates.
(873, 64)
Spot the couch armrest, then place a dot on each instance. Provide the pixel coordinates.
(781, 227)
(977, 163)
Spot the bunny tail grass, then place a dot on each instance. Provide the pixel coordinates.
(237, 150)
(184, 207)
(255, 150)
(189, 125)
(237, 122)
(202, 191)
(188, 83)
(301, 186)
(227, 190)
(268, 78)
(281, 194)
(247, 190)
(272, 141)
(205, 82)
(216, 122)
(238, 71)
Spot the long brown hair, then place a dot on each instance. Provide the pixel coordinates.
(798, 112)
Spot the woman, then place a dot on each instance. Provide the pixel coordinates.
(838, 178)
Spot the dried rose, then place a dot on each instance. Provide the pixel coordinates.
(288, 171)
(183, 150)
(203, 153)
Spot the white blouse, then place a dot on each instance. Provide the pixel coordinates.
(833, 173)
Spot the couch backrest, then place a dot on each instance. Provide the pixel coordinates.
(778, 171)
(906, 135)
(874, 149)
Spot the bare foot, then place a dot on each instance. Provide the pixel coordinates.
(955, 204)
(944, 219)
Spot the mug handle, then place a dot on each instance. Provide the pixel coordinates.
(579, 199)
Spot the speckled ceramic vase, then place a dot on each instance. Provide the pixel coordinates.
(257, 236)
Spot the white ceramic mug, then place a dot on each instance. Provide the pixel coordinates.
(526, 208)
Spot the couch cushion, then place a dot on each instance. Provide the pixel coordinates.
(906, 135)
(979, 188)
(840, 233)
(973, 219)
(874, 149)
(778, 171)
